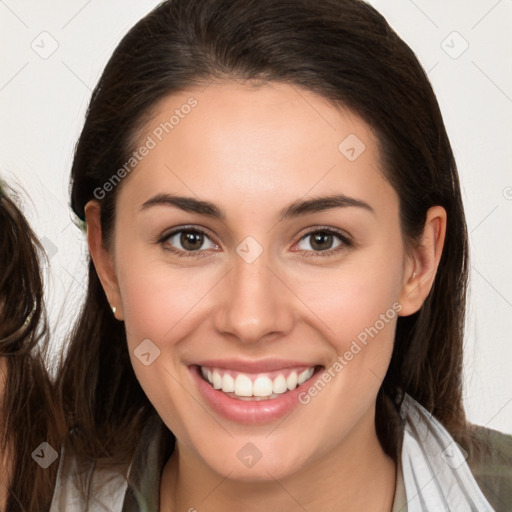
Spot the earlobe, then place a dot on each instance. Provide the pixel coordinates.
(423, 262)
(102, 258)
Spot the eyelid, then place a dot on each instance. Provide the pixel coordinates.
(326, 229)
(198, 229)
(345, 238)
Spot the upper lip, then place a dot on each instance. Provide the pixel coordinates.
(261, 366)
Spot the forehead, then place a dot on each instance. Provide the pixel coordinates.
(267, 142)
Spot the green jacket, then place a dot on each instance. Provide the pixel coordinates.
(491, 469)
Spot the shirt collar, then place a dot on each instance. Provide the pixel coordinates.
(153, 451)
(431, 471)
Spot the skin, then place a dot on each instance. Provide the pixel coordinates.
(252, 151)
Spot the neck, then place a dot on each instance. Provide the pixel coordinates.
(357, 474)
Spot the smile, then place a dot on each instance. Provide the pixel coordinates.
(256, 386)
(252, 392)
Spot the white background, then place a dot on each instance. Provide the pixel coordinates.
(43, 102)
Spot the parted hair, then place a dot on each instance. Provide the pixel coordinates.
(343, 50)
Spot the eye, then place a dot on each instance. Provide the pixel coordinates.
(189, 241)
(322, 242)
(186, 240)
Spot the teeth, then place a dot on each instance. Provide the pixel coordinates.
(263, 386)
(228, 383)
(243, 385)
(279, 385)
(291, 381)
(303, 377)
(217, 380)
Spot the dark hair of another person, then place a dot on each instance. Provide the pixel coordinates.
(342, 50)
(29, 414)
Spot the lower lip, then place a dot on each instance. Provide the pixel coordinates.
(245, 411)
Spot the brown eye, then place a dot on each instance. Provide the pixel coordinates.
(321, 241)
(183, 241)
(191, 240)
(324, 240)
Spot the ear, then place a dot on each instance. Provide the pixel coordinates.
(102, 258)
(423, 261)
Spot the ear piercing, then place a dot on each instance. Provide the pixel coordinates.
(114, 309)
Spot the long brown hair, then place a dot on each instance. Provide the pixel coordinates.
(343, 50)
(29, 414)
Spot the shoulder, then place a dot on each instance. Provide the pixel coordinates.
(85, 487)
(438, 473)
(491, 464)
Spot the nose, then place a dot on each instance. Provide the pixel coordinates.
(254, 302)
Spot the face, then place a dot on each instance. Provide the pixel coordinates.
(262, 286)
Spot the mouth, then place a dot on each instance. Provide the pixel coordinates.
(257, 386)
(252, 392)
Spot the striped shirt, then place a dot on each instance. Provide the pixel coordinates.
(433, 472)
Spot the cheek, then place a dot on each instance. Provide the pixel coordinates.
(156, 298)
(356, 297)
(348, 299)
(357, 310)
(158, 305)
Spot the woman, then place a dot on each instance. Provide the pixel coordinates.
(277, 240)
(30, 424)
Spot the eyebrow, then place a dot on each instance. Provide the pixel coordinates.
(295, 209)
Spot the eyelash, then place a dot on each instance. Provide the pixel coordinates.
(345, 242)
